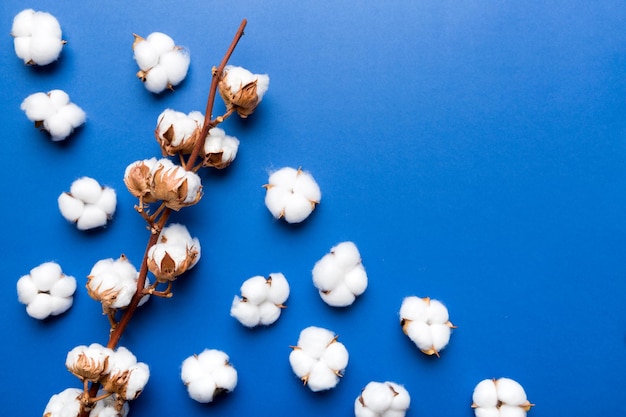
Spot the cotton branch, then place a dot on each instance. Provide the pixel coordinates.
(159, 223)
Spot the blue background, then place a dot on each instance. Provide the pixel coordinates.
(475, 151)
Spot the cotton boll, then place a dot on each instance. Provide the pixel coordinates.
(26, 290)
(176, 64)
(247, 313)
(156, 79)
(92, 217)
(207, 374)
(64, 404)
(485, 394)
(41, 307)
(46, 275)
(38, 107)
(86, 189)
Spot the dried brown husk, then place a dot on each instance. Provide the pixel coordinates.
(244, 101)
(166, 138)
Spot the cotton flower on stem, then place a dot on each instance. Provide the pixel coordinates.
(158, 223)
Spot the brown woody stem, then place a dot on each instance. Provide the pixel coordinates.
(157, 226)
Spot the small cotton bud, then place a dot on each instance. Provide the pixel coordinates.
(262, 300)
(291, 194)
(382, 399)
(37, 37)
(501, 397)
(340, 275)
(46, 291)
(161, 63)
(53, 113)
(208, 374)
(241, 90)
(425, 322)
(318, 359)
(88, 204)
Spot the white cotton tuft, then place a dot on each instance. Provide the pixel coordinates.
(113, 283)
(46, 291)
(162, 64)
(503, 397)
(208, 374)
(261, 300)
(88, 204)
(64, 404)
(292, 194)
(425, 322)
(318, 359)
(382, 399)
(54, 113)
(220, 150)
(340, 275)
(37, 37)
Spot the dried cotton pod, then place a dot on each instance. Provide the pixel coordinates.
(219, 149)
(174, 253)
(241, 90)
(177, 131)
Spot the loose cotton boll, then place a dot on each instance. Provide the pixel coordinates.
(88, 204)
(113, 283)
(503, 397)
(292, 194)
(382, 399)
(261, 301)
(208, 374)
(161, 63)
(425, 322)
(37, 37)
(46, 291)
(318, 359)
(340, 275)
(54, 113)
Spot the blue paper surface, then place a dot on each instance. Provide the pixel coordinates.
(474, 151)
